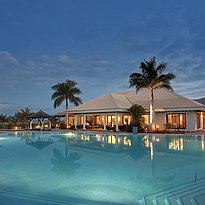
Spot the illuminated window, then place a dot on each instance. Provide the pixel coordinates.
(81, 120)
(146, 119)
(177, 120)
(126, 119)
(111, 120)
(98, 120)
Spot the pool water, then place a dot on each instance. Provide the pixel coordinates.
(83, 168)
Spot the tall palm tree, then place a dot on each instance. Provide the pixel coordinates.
(151, 77)
(66, 91)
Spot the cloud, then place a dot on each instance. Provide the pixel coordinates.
(7, 57)
(4, 104)
(65, 59)
(30, 63)
(6, 107)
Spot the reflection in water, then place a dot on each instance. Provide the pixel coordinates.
(36, 140)
(40, 143)
(108, 143)
(67, 165)
(142, 163)
(177, 144)
(137, 148)
(153, 148)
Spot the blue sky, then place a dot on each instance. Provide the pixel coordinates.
(97, 43)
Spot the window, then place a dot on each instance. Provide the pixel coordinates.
(198, 120)
(177, 120)
(111, 120)
(146, 119)
(126, 119)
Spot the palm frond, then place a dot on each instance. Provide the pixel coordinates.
(55, 95)
(66, 91)
(58, 101)
(161, 67)
(150, 76)
(165, 85)
(77, 101)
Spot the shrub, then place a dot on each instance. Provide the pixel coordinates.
(137, 112)
(167, 126)
(63, 126)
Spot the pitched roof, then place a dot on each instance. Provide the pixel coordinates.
(165, 100)
(40, 114)
(109, 102)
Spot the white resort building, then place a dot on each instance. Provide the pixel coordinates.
(111, 111)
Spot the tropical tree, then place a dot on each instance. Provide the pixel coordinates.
(137, 112)
(151, 77)
(66, 91)
(21, 117)
(3, 121)
(3, 118)
(67, 165)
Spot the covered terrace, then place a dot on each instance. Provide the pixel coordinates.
(106, 112)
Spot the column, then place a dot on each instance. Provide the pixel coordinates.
(42, 123)
(84, 119)
(75, 122)
(116, 141)
(105, 122)
(66, 120)
(116, 119)
(31, 123)
(49, 122)
(201, 120)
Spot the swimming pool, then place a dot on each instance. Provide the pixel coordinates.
(84, 168)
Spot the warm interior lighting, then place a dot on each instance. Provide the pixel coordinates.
(68, 134)
(85, 138)
(98, 138)
(127, 141)
(151, 151)
(177, 144)
(111, 139)
(202, 142)
(146, 141)
(146, 119)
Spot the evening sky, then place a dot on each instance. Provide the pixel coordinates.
(97, 43)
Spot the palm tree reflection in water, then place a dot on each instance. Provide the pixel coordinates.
(138, 149)
(67, 165)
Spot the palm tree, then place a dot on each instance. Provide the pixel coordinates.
(21, 116)
(66, 91)
(151, 78)
(3, 118)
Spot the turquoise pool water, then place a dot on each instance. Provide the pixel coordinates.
(82, 168)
